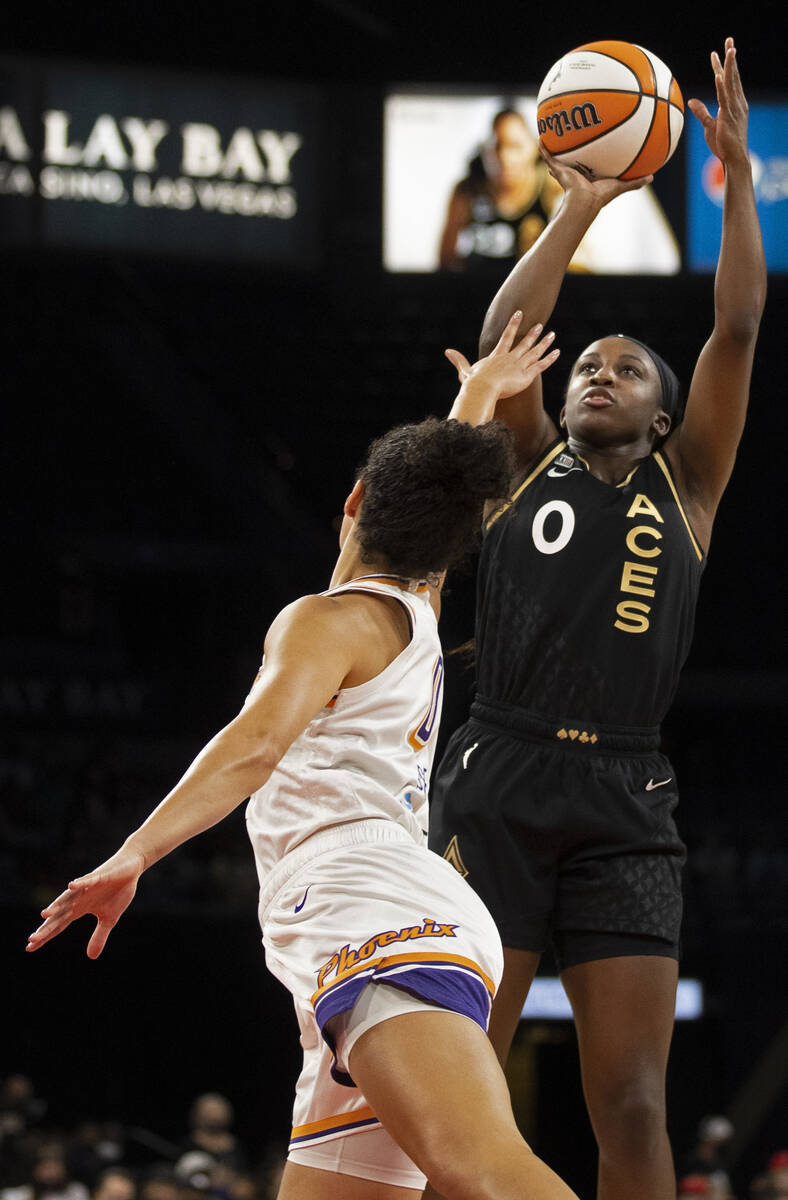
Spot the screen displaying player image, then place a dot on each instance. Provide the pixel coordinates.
(465, 190)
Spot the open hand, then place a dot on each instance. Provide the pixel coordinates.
(106, 893)
(509, 369)
(726, 134)
(601, 190)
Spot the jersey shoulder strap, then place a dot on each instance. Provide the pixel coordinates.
(544, 462)
(663, 463)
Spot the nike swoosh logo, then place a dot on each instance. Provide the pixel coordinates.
(661, 783)
(298, 907)
(468, 754)
(556, 474)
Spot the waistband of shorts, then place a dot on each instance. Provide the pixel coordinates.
(353, 833)
(570, 732)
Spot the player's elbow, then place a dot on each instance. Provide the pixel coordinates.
(740, 320)
(264, 754)
(255, 755)
(740, 326)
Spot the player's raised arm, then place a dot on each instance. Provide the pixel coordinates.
(506, 371)
(703, 448)
(309, 651)
(532, 286)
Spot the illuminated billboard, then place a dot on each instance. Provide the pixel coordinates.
(124, 160)
(768, 139)
(465, 190)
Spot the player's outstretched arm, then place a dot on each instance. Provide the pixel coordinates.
(309, 651)
(532, 286)
(507, 370)
(704, 446)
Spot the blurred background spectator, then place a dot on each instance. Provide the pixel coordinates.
(709, 1154)
(211, 1119)
(115, 1183)
(772, 1184)
(714, 1187)
(49, 1177)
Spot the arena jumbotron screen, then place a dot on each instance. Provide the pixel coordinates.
(466, 190)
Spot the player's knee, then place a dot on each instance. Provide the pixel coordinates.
(476, 1171)
(449, 1167)
(629, 1120)
(447, 1179)
(461, 1181)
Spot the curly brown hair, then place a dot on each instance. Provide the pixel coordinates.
(425, 486)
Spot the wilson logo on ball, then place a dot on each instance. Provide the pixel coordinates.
(580, 116)
(610, 109)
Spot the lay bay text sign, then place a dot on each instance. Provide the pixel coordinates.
(159, 162)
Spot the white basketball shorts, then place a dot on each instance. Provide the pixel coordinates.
(371, 907)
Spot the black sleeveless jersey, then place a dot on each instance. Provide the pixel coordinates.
(492, 239)
(587, 593)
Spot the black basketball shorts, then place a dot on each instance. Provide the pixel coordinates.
(566, 832)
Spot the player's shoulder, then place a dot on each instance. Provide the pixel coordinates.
(322, 609)
(308, 615)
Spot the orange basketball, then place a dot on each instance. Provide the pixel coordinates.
(611, 109)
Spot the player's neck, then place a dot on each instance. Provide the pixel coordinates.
(613, 462)
(350, 564)
(516, 193)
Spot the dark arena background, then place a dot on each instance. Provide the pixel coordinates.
(200, 333)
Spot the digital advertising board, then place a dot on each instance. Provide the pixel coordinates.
(768, 140)
(165, 163)
(464, 189)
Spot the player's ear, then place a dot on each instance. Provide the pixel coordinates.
(562, 417)
(661, 424)
(354, 499)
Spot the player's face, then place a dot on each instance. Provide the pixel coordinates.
(514, 147)
(614, 394)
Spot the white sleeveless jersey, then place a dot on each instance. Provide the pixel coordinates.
(368, 753)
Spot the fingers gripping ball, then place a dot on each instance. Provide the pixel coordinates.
(610, 109)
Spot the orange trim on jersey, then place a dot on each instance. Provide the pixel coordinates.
(548, 458)
(392, 960)
(338, 1121)
(663, 466)
(391, 580)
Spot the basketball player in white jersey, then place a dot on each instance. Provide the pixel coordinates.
(391, 958)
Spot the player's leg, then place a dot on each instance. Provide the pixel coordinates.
(622, 986)
(519, 969)
(624, 1011)
(310, 1183)
(434, 1081)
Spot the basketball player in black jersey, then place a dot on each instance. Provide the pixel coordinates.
(554, 799)
(499, 209)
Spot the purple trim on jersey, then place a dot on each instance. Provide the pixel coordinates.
(456, 988)
(340, 1127)
(341, 997)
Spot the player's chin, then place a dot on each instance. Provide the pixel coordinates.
(586, 421)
